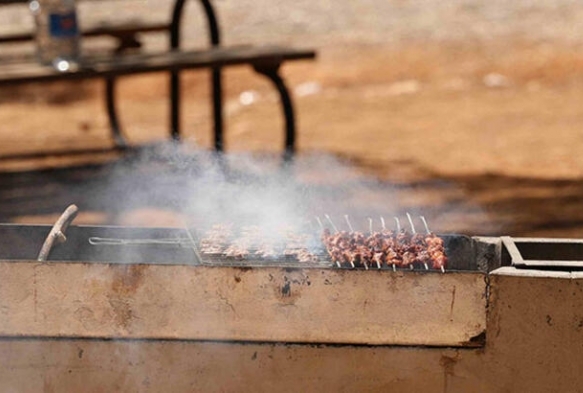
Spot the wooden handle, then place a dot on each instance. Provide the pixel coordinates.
(57, 232)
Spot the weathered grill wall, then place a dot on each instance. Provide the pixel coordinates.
(532, 346)
(160, 292)
(241, 304)
(93, 327)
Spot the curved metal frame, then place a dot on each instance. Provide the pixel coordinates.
(216, 80)
(57, 233)
(175, 82)
(116, 132)
(271, 71)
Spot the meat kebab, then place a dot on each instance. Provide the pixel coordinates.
(396, 249)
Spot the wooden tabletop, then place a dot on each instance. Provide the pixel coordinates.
(114, 65)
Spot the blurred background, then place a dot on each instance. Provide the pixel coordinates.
(468, 110)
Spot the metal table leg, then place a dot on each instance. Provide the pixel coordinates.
(175, 105)
(118, 138)
(214, 40)
(272, 73)
(217, 92)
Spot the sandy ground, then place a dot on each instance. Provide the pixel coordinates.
(475, 124)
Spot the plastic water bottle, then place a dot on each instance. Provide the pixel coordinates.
(57, 33)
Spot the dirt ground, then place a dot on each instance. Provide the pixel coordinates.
(482, 136)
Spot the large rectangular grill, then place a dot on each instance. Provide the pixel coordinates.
(171, 246)
(234, 296)
(164, 288)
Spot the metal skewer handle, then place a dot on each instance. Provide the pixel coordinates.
(57, 233)
(106, 241)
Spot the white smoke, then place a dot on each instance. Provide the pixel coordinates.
(257, 190)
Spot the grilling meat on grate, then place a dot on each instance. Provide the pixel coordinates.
(436, 251)
(385, 248)
(250, 242)
(216, 239)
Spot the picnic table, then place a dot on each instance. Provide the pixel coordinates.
(130, 57)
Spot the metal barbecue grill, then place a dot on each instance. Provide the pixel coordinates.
(426, 307)
(123, 291)
(177, 246)
(172, 246)
(264, 288)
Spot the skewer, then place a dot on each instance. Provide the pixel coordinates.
(352, 230)
(425, 224)
(105, 241)
(412, 230)
(331, 223)
(398, 230)
(414, 233)
(429, 233)
(383, 223)
(370, 230)
(322, 228)
(411, 223)
(352, 261)
(320, 223)
(348, 222)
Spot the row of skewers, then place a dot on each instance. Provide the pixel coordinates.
(252, 242)
(385, 248)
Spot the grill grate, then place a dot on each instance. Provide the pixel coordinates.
(459, 249)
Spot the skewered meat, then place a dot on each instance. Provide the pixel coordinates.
(355, 249)
(386, 248)
(237, 251)
(216, 239)
(252, 242)
(436, 251)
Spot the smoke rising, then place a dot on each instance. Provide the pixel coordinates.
(256, 190)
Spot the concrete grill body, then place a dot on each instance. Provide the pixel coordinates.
(154, 316)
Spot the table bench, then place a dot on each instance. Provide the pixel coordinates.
(265, 60)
